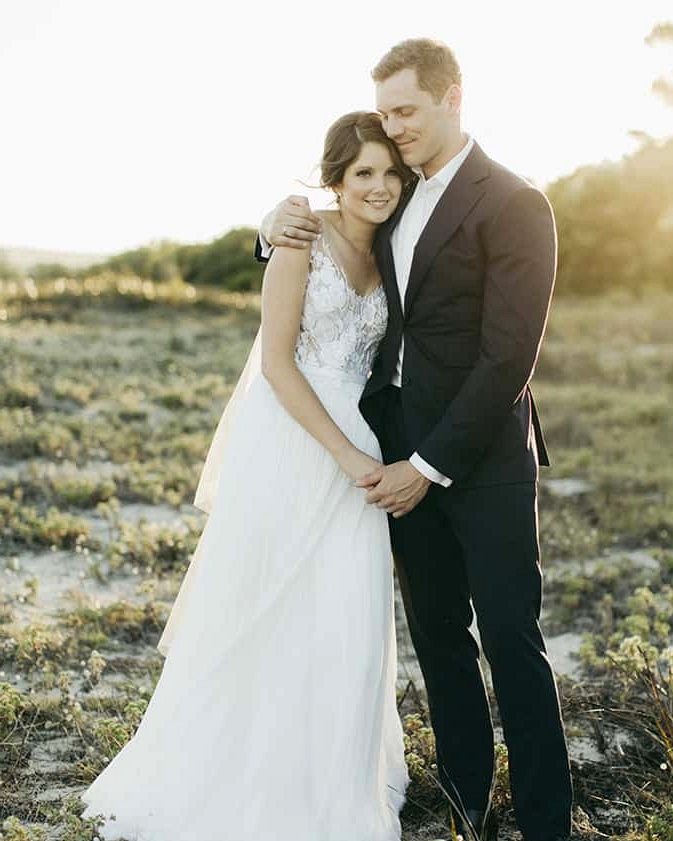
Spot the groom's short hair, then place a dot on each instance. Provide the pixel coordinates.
(435, 64)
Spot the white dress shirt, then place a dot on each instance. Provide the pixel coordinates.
(403, 241)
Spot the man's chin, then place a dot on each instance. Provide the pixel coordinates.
(409, 156)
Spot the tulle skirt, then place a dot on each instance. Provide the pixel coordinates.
(274, 718)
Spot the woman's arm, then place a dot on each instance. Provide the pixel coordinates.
(282, 300)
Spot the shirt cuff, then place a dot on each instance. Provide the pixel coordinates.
(266, 246)
(429, 471)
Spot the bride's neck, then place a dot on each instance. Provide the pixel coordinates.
(358, 233)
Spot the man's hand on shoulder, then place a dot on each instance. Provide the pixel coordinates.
(291, 223)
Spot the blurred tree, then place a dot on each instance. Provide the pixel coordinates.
(49, 271)
(227, 261)
(7, 270)
(615, 220)
(157, 261)
(662, 33)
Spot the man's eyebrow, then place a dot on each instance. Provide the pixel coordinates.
(398, 107)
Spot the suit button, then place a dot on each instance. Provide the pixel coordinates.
(406, 379)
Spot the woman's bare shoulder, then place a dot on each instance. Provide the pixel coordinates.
(327, 215)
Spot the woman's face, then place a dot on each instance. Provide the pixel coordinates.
(371, 185)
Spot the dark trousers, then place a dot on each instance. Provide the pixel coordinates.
(482, 544)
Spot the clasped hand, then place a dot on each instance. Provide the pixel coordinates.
(397, 488)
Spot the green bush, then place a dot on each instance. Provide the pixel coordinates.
(227, 262)
(614, 223)
(660, 825)
(25, 525)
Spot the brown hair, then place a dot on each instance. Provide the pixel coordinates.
(344, 141)
(435, 64)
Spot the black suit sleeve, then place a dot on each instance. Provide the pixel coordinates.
(258, 251)
(521, 249)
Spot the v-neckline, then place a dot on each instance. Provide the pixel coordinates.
(342, 271)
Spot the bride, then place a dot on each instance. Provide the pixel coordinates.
(275, 718)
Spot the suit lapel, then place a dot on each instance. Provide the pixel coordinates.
(463, 192)
(388, 226)
(387, 269)
(384, 253)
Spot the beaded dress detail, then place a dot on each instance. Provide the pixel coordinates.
(340, 329)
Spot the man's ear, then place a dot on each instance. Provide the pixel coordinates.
(453, 98)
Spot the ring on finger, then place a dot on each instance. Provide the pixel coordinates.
(286, 230)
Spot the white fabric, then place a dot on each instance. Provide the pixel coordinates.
(429, 471)
(211, 469)
(274, 717)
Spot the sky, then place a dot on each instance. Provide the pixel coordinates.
(138, 120)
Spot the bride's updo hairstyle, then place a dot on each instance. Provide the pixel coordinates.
(344, 141)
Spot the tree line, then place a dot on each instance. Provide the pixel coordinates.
(615, 223)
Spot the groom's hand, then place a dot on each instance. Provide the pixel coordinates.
(397, 488)
(291, 223)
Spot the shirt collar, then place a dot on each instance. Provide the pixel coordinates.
(450, 168)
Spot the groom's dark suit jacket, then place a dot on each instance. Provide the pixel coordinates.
(475, 310)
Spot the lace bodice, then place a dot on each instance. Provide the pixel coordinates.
(340, 329)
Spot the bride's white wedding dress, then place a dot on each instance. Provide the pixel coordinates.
(274, 718)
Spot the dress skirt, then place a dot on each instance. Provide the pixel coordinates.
(274, 718)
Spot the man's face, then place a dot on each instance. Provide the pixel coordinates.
(422, 128)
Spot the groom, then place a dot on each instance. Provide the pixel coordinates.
(468, 261)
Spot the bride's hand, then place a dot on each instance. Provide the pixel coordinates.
(357, 464)
(291, 223)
